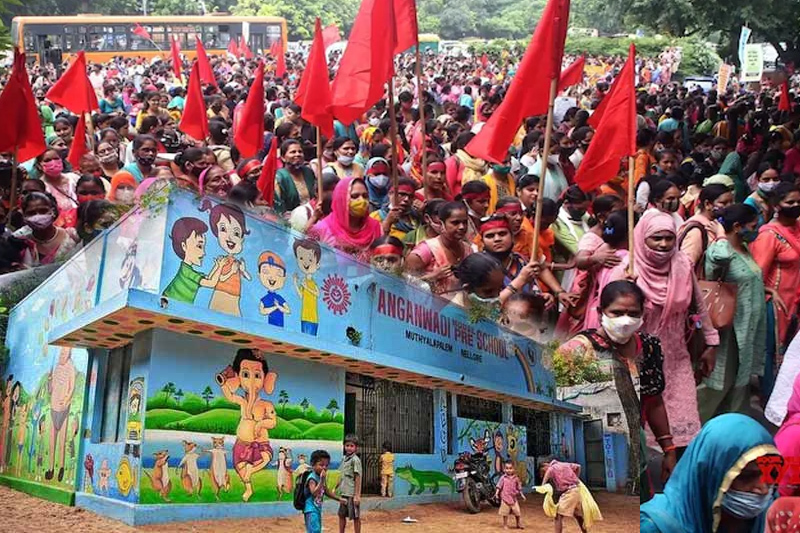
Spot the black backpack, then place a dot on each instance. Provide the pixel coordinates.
(300, 491)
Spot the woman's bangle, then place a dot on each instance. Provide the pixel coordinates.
(666, 436)
(670, 448)
(512, 288)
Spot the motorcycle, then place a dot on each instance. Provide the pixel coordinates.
(474, 481)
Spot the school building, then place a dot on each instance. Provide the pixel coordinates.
(186, 364)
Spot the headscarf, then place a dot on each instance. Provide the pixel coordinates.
(378, 198)
(123, 177)
(665, 277)
(784, 516)
(692, 497)
(335, 228)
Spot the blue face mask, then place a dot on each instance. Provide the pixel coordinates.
(746, 505)
(748, 235)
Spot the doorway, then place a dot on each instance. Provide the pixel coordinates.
(595, 455)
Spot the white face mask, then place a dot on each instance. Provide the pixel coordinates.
(768, 186)
(620, 329)
(124, 196)
(381, 181)
(552, 159)
(374, 122)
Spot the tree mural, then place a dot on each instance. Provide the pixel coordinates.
(169, 390)
(304, 404)
(207, 394)
(283, 399)
(333, 406)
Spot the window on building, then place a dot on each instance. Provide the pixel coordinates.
(479, 409)
(114, 368)
(614, 420)
(537, 429)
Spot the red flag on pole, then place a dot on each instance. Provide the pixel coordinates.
(266, 181)
(177, 64)
(78, 148)
(276, 51)
(249, 134)
(244, 48)
(206, 72)
(141, 32)
(314, 94)
(74, 90)
(22, 130)
(381, 30)
(573, 75)
(330, 35)
(233, 48)
(785, 103)
(529, 93)
(484, 60)
(615, 137)
(194, 121)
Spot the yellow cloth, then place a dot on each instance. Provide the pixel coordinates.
(308, 306)
(591, 512)
(494, 195)
(387, 464)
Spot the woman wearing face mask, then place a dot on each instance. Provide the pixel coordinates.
(123, 188)
(108, 158)
(145, 149)
(345, 167)
(248, 170)
(666, 198)
(501, 183)
(51, 243)
(741, 348)
(767, 178)
(378, 182)
(777, 252)
(57, 182)
(570, 227)
(88, 188)
(431, 226)
(295, 183)
(556, 182)
(191, 163)
(636, 361)
(475, 196)
(702, 229)
(672, 294)
(349, 226)
(215, 181)
(433, 259)
(717, 486)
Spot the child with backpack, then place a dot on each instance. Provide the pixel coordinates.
(309, 491)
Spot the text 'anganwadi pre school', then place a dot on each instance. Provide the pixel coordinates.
(186, 364)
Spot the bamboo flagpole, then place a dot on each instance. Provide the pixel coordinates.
(319, 166)
(12, 201)
(421, 92)
(631, 205)
(548, 136)
(393, 135)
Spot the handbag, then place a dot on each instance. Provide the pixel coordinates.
(720, 299)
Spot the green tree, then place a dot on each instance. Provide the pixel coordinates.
(304, 404)
(333, 406)
(179, 395)
(570, 371)
(168, 390)
(207, 394)
(283, 399)
(301, 14)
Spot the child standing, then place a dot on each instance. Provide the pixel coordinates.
(350, 486)
(509, 490)
(387, 470)
(316, 487)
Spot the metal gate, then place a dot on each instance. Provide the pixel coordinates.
(595, 456)
(399, 414)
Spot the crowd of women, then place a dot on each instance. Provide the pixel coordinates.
(717, 202)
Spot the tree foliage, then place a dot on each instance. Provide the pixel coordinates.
(300, 14)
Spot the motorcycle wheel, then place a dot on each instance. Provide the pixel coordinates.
(472, 499)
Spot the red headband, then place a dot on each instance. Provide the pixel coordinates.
(437, 165)
(495, 223)
(378, 168)
(510, 209)
(387, 249)
(250, 165)
(469, 196)
(406, 188)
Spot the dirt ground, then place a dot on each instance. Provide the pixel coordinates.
(23, 513)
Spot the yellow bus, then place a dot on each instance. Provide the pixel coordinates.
(105, 37)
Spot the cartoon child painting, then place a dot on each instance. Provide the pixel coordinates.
(272, 273)
(10, 403)
(189, 244)
(62, 388)
(251, 451)
(229, 226)
(129, 275)
(308, 254)
(6, 421)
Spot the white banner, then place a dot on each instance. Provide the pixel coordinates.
(753, 65)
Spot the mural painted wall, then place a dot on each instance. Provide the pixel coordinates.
(232, 425)
(499, 442)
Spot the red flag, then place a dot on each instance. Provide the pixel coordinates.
(22, 129)
(141, 32)
(78, 148)
(406, 32)
(276, 51)
(244, 48)
(206, 72)
(484, 60)
(74, 90)
(573, 75)
(194, 121)
(785, 103)
(615, 137)
(330, 35)
(314, 93)
(177, 64)
(266, 181)
(529, 93)
(249, 134)
(233, 48)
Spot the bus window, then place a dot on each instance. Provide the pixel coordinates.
(224, 36)
(30, 43)
(274, 34)
(14, 32)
